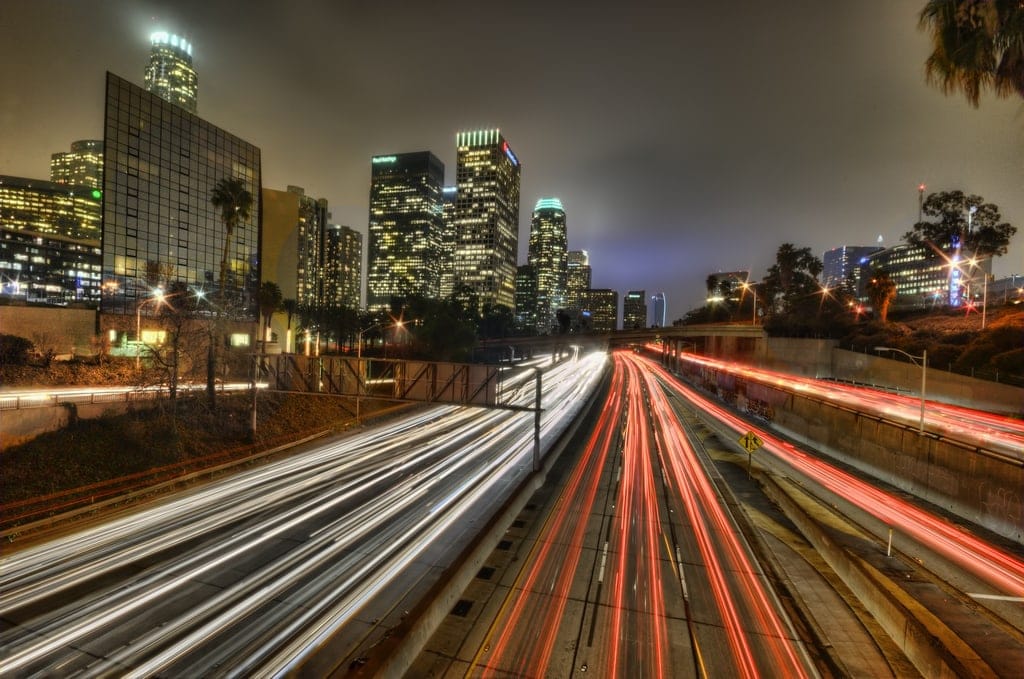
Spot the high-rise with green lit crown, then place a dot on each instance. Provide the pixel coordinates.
(548, 256)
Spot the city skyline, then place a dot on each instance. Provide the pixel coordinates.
(671, 135)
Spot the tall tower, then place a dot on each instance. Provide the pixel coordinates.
(343, 266)
(309, 276)
(82, 166)
(577, 277)
(634, 310)
(486, 217)
(405, 228)
(169, 74)
(448, 195)
(548, 246)
(660, 309)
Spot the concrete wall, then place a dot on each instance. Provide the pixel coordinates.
(982, 488)
(66, 331)
(940, 385)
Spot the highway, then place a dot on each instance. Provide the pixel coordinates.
(639, 569)
(637, 563)
(285, 567)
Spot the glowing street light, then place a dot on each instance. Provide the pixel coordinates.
(747, 287)
(359, 356)
(924, 368)
(974, 262)
(158, 297)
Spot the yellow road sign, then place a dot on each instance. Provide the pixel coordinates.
(751, 441)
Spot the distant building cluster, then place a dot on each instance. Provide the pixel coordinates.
(130, 214)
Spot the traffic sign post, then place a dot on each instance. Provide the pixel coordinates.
(750, 442)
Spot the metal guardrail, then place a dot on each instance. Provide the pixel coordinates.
(26, 401)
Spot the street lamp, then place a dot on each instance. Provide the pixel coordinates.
(924, 369)
(974, 262)
(158, 297)
(750, 288)
(359, 357)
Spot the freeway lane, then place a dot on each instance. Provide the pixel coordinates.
(261, 572)
(998, 433)
(638, 570)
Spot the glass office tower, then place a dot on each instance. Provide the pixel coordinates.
(548, 255)
(159, 168)
(486, 217)
(169, 74)
(406, 228)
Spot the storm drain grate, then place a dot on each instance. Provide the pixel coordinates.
(461, 609)
(518, 523)
(485, 573)
(530, 507)
(505, 545)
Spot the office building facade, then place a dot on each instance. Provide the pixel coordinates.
(578, 276)
(659, 306)
(486, 216)
(49, 269)
(343, 267)
(160, 166)
(311, 232)
(925, 279)
(526, 299)
(48, 209)
(170, 74)
(634, 310)
(81, 166)
(600, 310)
(448, 197)
(548, 255)
(406, 229)
(841, 266)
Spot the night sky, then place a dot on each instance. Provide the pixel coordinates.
(683, 138)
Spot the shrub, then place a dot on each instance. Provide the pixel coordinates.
(1010, 361)
(14, 350)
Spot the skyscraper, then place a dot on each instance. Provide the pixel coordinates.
(634, 310)
(841, 266)
(159, 227)
(547, 255)
(309, 276)
(169, 74)
(658, 302)
(82, 166)
(49, 241)
(448, 195)
(343, 266)
(526, 299)
(577, 277)
(486, 216)
(600, 310)
(405, 228)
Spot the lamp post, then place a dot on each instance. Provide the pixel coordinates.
(750, 288)
(158, 297)
(974, 262)
(359, 357)
(924, 369)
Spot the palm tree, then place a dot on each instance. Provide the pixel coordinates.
(270, 298)
(881, 291)
(235, 203)
(290, 307)
(976, 45)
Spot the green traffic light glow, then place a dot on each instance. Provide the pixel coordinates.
(97, 194)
